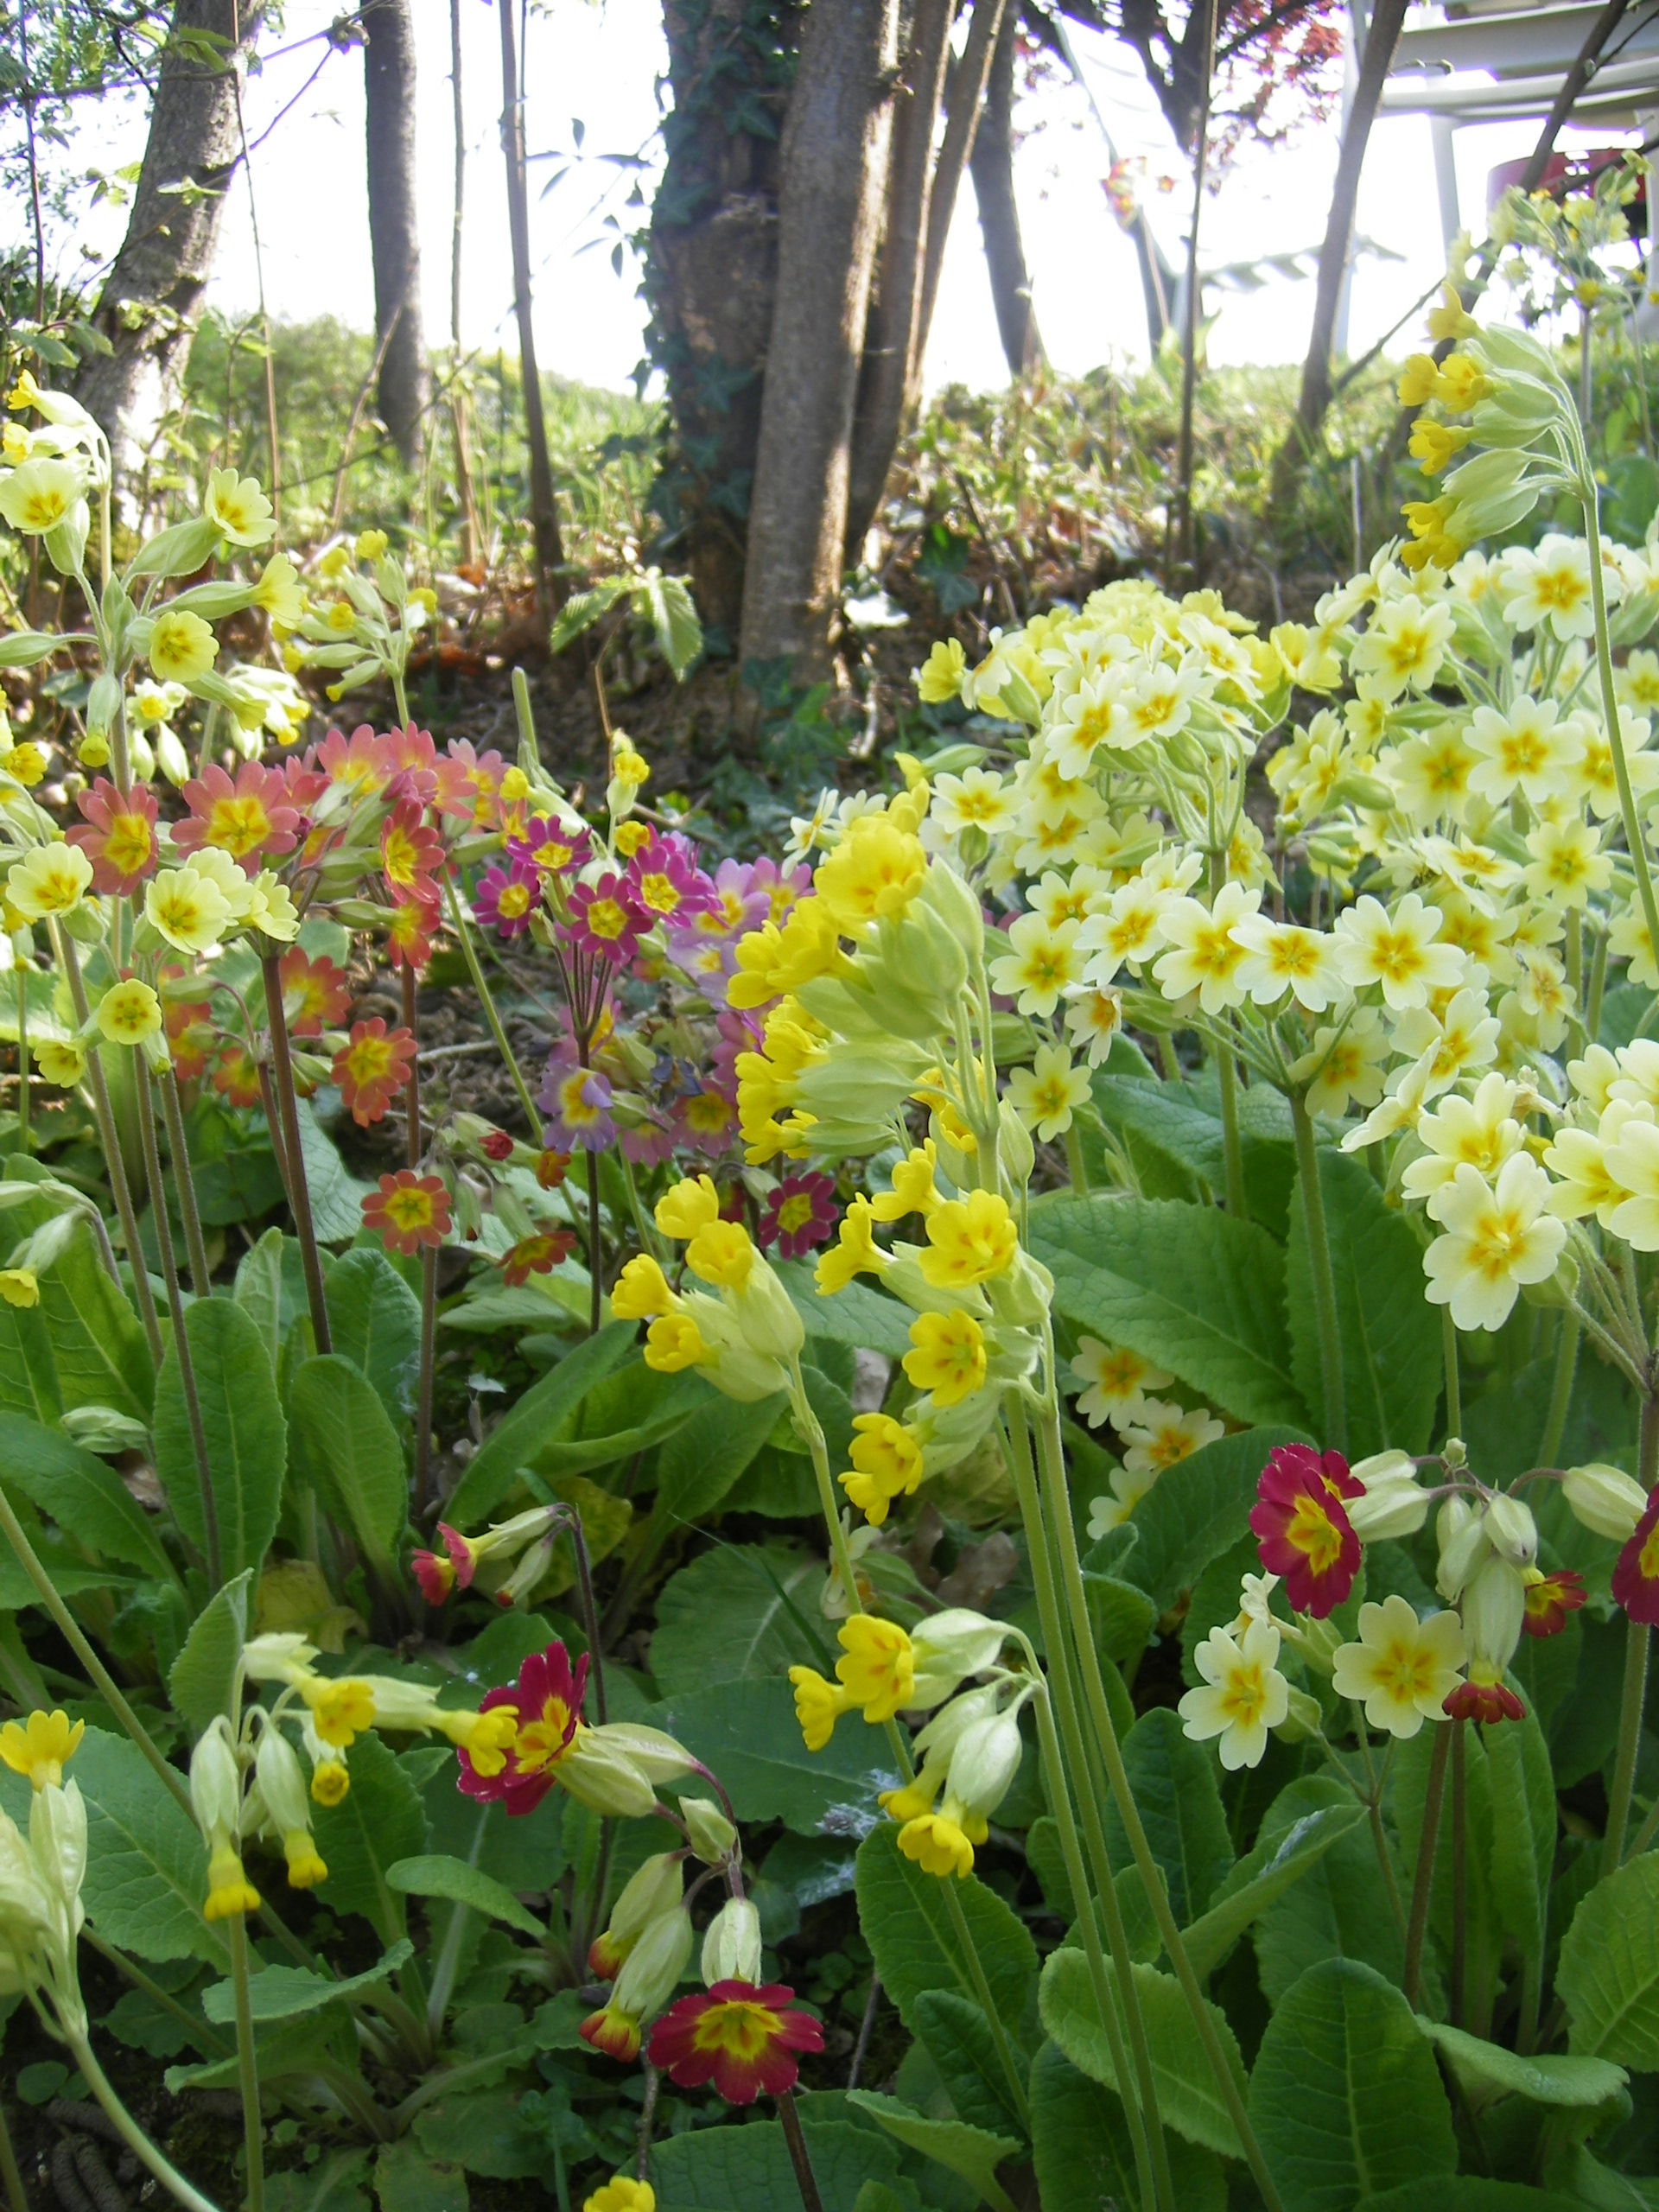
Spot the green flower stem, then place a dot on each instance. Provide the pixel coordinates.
(1459, 1873)
(595, 1249)
(469, 954)
(1417, 1926)
(23, 1104)
(1075, 1167)
(423, 1385)
(12, 1529)
(1051, 1464)
(180, 1339)
(807, 1422)
(16, 2195)
(189, 1211)
(134, 2136)
(103, 1114)
(1560, 1396)
(1646, 1833)
(1227, 1081)
(1140, 2109)
(1633, 836)
(299, 1195)
(247, 2067)
(1453, 1387)
(1332, 1387)
(1598, 983)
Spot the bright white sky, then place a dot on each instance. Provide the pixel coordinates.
(596, 62)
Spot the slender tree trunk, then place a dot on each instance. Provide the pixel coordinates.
(459, 403)
(712, 275)
(896, 296)
(1182, 530)
(1381, 39)
(992, 166)
(153, 294)
(543, 508)
(967, 95)
(405, 387)
(833, 178)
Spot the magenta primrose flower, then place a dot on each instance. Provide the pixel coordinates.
(576, 1100)
(799, 1215)
(666, 883)
(506, 898)
(604, 921)
(550, 848)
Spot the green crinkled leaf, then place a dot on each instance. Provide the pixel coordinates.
(1188, 2093)
(1175, 1784)
(284, 1993)
(435, 1874)
(81, 1345)
(1262, 1878)
(972, 2152)
(1082, 2152)
(908, 1928)
(88, 1501)
(1176, 1127)
(746, 1732)
(146, 1864)
(258, 1292)
(374, 1319)
(1186, 1286)
(202, 1679)
(1609, 1972)
(378, 1821)
(1525, 1820)
(246, 1435)
(735, 1614)
(284, 2048)
(1339, 1909)
(1390, 1335)
(583, 608)
(673, 621)
(1472, 2193)
(1196, 1510)
(1346, 2098)
(1488, 2071)
(858, 1315)
(519, 1436)
(346, 1446)
(406, 2182)
(481, 2130)
(957, 2035)
(336, 1194)
(697, 1465)
(747, 2168)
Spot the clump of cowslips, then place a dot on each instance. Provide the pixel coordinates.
(41, 1873)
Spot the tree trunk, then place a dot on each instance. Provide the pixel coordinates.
(834, 176)
(1381, 39)
(711, 277)
(896, 295)
(153, 293)
(405, 387)
(966, 97)
(992, 166)
(543, 507)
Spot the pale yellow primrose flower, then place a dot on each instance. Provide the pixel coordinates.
(1402, 1668)
(1243, 1696)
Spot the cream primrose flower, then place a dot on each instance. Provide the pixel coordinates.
(1530, 750)
(1045, 1094)
(1552, 586)
(1344, 1067)
(187, 909)
(1118, 1381)
(1593, 778)
(977, 799)
(1161, 1435)
(1631, 1157)
(1205, 956)
(1243, 1693)
(1281, 956)
(1636, 1080)
(1403, 648)
(1127, 933)
(1043, 962)
(49, 879)
(1450, 1044)
(1480, 1132)
(1430, 773)
(1583, 1183)
(1495, 1241)
(42, 494)
(1402, 1669)
(238, 509)
(1567, 863)
(1396, 950)
(1094, 1017)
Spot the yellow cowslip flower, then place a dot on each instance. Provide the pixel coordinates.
(330, 1780)
(886, 1464)
(1462, 382)
(370, 544)
(630, 835)
(818, 1705)
(426, 599)
(39, 495)
(128, 1013)
(721, 1254)
(49, 879)
(20, 1287)
(514, 787)
(60, 1063)
(628, 766)
(486, 1737)
(181, 646)
(187, 908)
(341, 617)
(947, 1356)
(1426, 519)
(622, 2194)
(940, 676)
(25, 764)
(938, 1846)
(913, 1190)
(278, 593)
(340, 1710)
(970, 1240)
(1417, 380)
(1450, 320)
(641, 1293)
(305, 1868)
(335, 561)
(877, 1668)
(238, 509)
(691, 1206)
(772, 961)
(673, 1343)
(873, 874)
(14, 445)
(857, 1252)
(40, 1746)
(230, 1893)
(1434, 444)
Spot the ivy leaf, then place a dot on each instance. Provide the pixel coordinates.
(247, 1436)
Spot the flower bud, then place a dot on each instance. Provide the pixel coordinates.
(646, 1896)
(216, 1781)
(731, 1944)
(1302, 1717)
(1511, 1530)
(282, 1781)
(986, 1760)
(604, 1778)
(1393, 1505)
(1494, 1609)
(57, 1836)
(767, 1314)
(654, 1965)
(710, 1835)
(1460, 1532)
(1605, 1499)
(952, 1645)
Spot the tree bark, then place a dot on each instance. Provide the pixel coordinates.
(543, 507)
(991, 164)
(153, 294)
(711, 278)
(834, 175)
(405, 385)
(896, 293)
(1381, 39)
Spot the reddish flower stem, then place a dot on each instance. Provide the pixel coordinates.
(805, 2180)
(299, 1197)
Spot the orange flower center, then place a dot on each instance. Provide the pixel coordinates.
(237, 825)
(545, 1742)
(1315, 1534)
(740, 2029)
